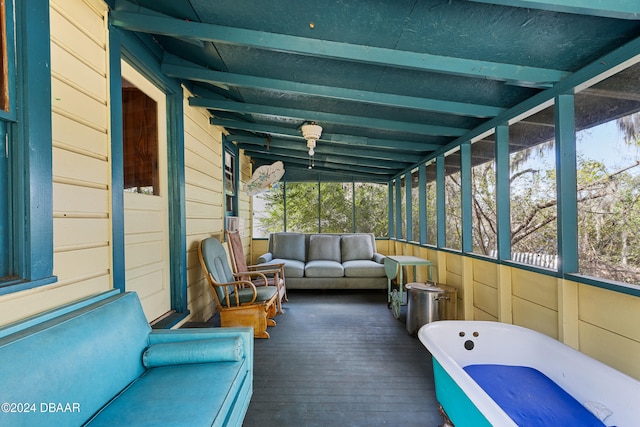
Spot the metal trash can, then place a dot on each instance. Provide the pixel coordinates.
(427, 303)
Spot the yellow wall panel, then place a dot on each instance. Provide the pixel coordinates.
(84, 139)
(72, 200)
(79, 232)
(78, 167)
(485, 298)
(68, 100)
(454, 264)
(485, 272)
(81, 264)
(534, 287)
(536, 317)
(612, 311)
(65, 31)
(612, 349)
(483, 315)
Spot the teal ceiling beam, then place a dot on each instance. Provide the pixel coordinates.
(358, 153)
(167, 26)
(302, 158)
(619, 9)
(205, 75)
(319, 116)
(350, 140)
(301, 152)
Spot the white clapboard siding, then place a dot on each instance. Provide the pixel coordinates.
(80, 153)
(204, 200)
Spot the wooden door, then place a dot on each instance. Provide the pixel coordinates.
(147, 257)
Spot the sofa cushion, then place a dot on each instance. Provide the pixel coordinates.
(363, 268)
(324, 247)
(356, 246)
(197, 394)
(292, 267)
(323, 268)
(289, 246)
(199, 351)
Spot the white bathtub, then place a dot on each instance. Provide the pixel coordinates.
(611, 395)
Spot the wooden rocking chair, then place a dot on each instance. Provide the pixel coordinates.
(239, 301)
(273, 272)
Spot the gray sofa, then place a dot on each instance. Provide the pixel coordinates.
(327, 261)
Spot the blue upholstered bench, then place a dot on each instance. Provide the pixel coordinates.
(97, 362)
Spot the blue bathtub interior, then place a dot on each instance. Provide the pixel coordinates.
(531, 398)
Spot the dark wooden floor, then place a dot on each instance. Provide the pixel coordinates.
(340, 358)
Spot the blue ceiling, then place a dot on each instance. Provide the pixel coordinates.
(391, 82)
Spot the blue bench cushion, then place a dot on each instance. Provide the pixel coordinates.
(264, 293)
(322, 268)
(204, 396)
(200, 351)
(363, 268)
(531, 398)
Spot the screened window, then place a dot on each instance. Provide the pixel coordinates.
(403, 208)
(453, 201)
(432, 210)
(483, 194)
(415, 207)
(608, 175)
(230, 183)
(371, 208)
(533, 190)
(336, 207)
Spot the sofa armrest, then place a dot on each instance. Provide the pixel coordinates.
(379, 258)
(159, 336)
(267, 257)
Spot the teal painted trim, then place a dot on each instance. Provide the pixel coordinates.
(623, 288)
(177, 203)
(117, 162)
(329, 49)
(319, 227)
(31, 152)
(466, 197)
(284, 201)
(318, 116)
(234, 150)
(409, 206)
(618, 9)
(422, 203)
(377, 98)
(441, 240)
(6, 229)
(458, 406)
(10, 44)
(398, 215)
(503, 192)
(566, 183)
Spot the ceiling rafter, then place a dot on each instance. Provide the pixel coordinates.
(298, 170)
(350, 140)
(327, 161)
(201, 74)
(319, 116)
(167, 26)
(386, 158)
(619, 9)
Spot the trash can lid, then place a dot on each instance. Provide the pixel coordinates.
(424, 287)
